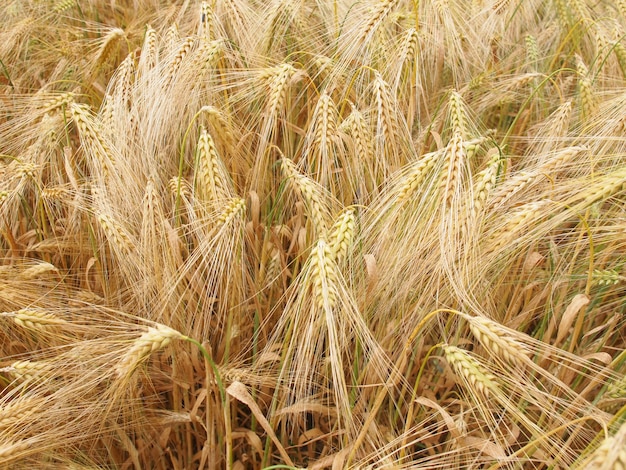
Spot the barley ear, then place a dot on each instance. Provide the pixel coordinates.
(470, 370)
(156, 338)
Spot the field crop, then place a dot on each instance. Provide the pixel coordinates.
(340, 234)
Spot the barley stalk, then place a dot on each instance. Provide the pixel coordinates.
(9, 450)
(171, 37)
(532, 50)
(124, 81)
(17, 410)
(386, 125)
(607, 186)
(91, 135)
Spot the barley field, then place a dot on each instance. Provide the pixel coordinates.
(321, 234)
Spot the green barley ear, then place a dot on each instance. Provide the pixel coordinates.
(607, 277)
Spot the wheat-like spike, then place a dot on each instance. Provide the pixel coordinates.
(10, 449)
(417, 173)
(523, 179)
(607, 277)
(108, 44)
(18, 409)
(610, 454)
(206, 20)
(116, 234)
(124, 80)
(107, 114)
(156, 338)
(149, 51)
(516, 222)
(457, 116)
(386, 124)
(27, 170)
(309, 193)
(532, 50)
(35, 319)
(563, 12)
(211, 179)
(561, 119)
(277, 79)
(207, 55)
(89, 131)
(58, 193)
(497, 340)
(378, 14)
(63, 5)
(274, 265)
(341, 235)
(580, 9)
(358, 130)
(178, 59)
(325, 119)
(323, 275)
(621, 7)
(620, 54)
(58, 102)
(28, 370)
(171, 37)
(485, 182)
(37, 270)
(587, 98)
(617, 389)
(451, 173)
(470, 369)
(178, 185)
(408, 48)
(221, 124)
(606, 187)
(235, 207)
